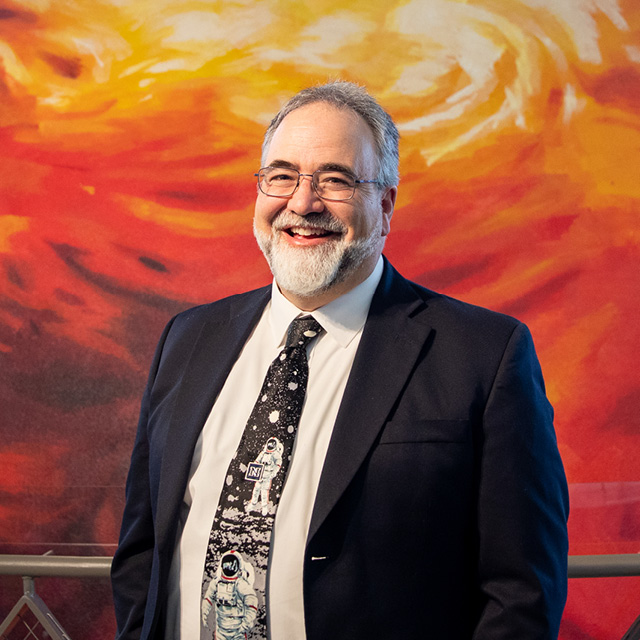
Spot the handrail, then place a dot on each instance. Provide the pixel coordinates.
(50, 565)
(595, 566)
(605, 566)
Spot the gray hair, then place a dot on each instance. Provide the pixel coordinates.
(347, 95)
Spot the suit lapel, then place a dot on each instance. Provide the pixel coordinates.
(394, 335)
(213, 354)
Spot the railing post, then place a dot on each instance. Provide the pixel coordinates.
(32, 613)
(28, 586)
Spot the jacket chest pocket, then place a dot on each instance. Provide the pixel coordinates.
(453, 431)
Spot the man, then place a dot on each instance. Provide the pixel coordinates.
(425, 496)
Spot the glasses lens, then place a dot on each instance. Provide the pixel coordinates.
(330, 185)
(274, 181)
(334, 185)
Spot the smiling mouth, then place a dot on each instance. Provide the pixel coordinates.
(308, 232)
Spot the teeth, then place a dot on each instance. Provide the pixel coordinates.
(305, 231)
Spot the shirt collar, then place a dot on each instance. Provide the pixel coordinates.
(342, 318)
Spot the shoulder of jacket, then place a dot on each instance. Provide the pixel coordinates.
(218, 308)
(457, 312)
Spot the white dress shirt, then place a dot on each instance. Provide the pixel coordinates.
(330, 360)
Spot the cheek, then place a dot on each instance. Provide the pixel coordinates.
(364, 220)
(350, 217)
(265, 210)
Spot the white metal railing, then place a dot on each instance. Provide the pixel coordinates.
(60, 566)
(596, 566)
(32, 615)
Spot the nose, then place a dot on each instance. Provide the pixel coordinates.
(305, 199)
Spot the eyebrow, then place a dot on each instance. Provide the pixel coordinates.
(283, 164)
(327, 166)
(335, 166)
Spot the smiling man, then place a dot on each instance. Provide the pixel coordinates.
(342, 454)
(321, 246)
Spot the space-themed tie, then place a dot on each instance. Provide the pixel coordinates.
(235, 571)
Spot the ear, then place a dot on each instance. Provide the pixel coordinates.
(387, 203)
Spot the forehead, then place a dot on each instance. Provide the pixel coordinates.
(319, 134)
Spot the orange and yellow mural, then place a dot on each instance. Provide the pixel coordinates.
(129, 135)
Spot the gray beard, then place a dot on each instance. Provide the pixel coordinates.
(310, 271)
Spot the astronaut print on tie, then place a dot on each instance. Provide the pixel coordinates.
(235, 571)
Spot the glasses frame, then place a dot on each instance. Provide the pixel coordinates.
(356, 182)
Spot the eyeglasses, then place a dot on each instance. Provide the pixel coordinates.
(336, 186)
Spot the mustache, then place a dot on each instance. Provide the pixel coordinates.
(324, 220)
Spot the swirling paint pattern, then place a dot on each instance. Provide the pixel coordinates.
(129, 133)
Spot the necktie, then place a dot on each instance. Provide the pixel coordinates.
(235, 572)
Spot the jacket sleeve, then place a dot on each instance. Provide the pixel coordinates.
(522, 505)
(132, 562)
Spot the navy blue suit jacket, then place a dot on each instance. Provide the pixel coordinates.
(442, 507)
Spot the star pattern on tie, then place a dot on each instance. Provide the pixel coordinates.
(235, 573)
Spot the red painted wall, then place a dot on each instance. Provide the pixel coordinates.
(128, 140)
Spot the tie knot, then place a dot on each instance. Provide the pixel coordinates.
(302, 330)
